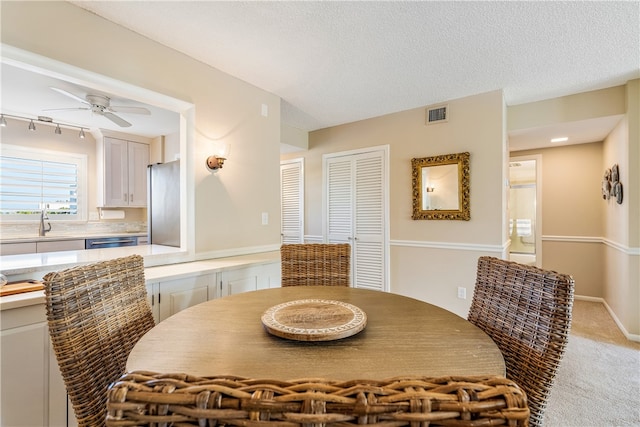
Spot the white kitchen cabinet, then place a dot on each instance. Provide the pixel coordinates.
(171, 296)
(18, 248)
(60, 245)
(272, 274)
(123, 178)
(249, 278)
(41, 246)
(32, 391)
(167, 297)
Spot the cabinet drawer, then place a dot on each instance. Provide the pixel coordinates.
(18, 248)
(60, 245)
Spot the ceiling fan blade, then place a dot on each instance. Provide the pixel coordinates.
(117, 120)
(131, 110)
(67, 109)
(70, 95)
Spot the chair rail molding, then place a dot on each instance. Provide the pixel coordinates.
(448, 245)
(592, 239)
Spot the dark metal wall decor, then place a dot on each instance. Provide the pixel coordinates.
(611, 185)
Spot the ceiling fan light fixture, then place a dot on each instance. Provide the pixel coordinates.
(32, 126)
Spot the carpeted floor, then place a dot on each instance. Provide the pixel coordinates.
(598, 382)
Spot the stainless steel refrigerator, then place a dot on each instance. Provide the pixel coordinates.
(163, 207)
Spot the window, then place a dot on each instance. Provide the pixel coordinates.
(33, 179)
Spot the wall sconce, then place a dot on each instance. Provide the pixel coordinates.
(430, 189)
(215, 161)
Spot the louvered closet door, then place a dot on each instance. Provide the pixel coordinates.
(292, 199)
(356, 214)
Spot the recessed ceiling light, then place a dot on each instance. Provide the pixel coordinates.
(563, 139)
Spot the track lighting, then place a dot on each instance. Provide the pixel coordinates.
(46, 120)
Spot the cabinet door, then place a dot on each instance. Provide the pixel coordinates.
(272, 275)
(152, 299)
(116, 164)
(23, 382)
(138, 157)
(176, 295)
(32, 392)
(242, 280)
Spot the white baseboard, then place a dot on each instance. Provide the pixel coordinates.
(630, 337)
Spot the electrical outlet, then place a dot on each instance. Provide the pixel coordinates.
(462, 292)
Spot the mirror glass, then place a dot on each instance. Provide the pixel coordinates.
(441, 187)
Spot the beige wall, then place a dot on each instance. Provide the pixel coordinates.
(224, 208)
(622, 221)
(595, 240)
(572, 213)
(429, 259)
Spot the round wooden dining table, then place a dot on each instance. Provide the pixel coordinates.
(402, 336)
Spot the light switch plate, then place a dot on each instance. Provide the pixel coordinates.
(265, 218)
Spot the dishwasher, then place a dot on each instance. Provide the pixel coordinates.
(110, 242)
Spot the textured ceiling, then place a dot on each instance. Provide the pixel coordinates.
(335, 62)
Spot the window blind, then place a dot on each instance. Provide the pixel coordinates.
(29, 185)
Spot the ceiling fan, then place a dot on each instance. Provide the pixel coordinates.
(101, 105)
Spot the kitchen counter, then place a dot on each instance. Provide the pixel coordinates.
(36, 265)
(60, 260)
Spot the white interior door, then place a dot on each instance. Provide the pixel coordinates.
(356, 211)
(292, 200)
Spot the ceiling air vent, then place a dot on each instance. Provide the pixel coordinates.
(437, 114)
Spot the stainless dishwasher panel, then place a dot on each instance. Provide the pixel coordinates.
(110, 242)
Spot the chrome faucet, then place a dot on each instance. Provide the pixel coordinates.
(41, 230)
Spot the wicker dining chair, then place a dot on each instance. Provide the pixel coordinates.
(527, 312)
(315, 264)
(148, 398)
(96, 313)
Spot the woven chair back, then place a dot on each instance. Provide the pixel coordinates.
(96, 313)
(316, 264)
(147, 398)
(527, 312)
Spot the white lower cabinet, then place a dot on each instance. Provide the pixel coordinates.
(32, 392)
(171, 296)
(250, 279)
(167, 297)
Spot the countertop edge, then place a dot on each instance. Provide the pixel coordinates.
(158, 273)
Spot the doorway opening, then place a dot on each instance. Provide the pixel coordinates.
(525, 219)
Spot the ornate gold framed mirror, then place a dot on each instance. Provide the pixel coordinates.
(441, 187)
